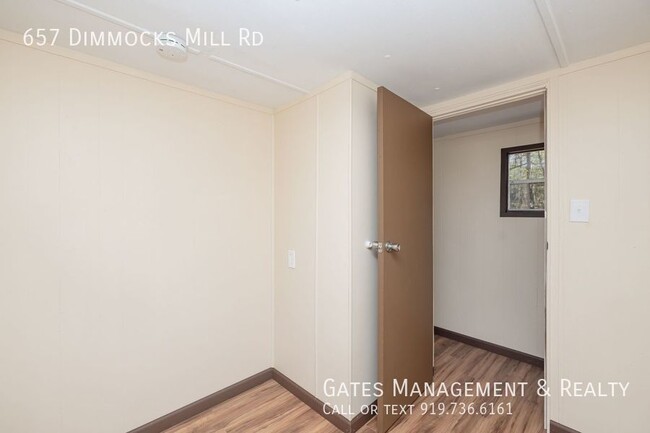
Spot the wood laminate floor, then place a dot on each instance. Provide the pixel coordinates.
(269, 408)
(458, 362)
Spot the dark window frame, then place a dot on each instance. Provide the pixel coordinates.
(505, 152)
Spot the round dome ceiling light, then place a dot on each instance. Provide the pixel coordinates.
(172, 47)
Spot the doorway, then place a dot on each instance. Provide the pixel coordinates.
(489, 261)
(490, 240)
(489, 227)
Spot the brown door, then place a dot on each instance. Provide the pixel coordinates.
(405, 146)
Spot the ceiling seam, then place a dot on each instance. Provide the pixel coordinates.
(553, 31)
(128, 25)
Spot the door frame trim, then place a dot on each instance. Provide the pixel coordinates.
(545, 84)
(513, 93)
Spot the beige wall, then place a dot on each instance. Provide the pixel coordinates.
(295, 222)
(598, 145)
(135, 245)
(489, 271)
(325, 208)
(601, 302)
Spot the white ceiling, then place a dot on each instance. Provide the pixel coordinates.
(456, 46)
(526, 109)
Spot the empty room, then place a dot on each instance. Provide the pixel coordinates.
(324, 216)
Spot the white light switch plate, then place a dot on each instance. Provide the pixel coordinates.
(579, 211)
(291, 259)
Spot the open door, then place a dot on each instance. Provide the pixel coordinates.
(405, 148)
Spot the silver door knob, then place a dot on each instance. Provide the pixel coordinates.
(392, 247)
(376, 245)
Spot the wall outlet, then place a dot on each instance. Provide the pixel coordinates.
(291, 259)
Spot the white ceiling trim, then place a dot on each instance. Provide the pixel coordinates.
(521, 89)
(68, 53)
(345, 76)
(256, 73)
(193, 50)
(548, 18)
(103, 15)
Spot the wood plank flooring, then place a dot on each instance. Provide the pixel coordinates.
(458, 362)
(269, 408)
